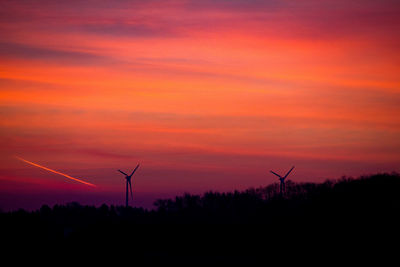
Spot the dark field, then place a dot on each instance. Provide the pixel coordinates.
(335, 219)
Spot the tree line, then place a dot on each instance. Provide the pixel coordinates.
(231, 222)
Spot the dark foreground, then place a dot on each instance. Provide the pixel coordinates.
(354, 219)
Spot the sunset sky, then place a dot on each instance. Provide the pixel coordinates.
(204, 94)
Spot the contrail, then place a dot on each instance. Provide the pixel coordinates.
(50, 170)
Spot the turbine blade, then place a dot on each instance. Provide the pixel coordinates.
(289, 172)
(135, 169)
(276, 174)
(130, 186)
(123, 172)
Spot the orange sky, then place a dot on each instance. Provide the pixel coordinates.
(206, 95)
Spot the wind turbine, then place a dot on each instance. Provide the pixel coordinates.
(128, 181)
(282, 179)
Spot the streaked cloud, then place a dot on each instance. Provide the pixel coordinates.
(215, 90)
(27, 52)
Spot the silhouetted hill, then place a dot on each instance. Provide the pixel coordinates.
(226, 227)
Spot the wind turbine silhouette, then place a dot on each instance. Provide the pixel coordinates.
(128, 181)
(282, 179)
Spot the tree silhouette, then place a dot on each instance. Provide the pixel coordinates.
(235, 224)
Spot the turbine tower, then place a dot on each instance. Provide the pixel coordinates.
(282, 179)
(128, 181)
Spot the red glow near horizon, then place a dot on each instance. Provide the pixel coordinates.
(208, 95)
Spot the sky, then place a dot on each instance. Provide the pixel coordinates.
(205, 95)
